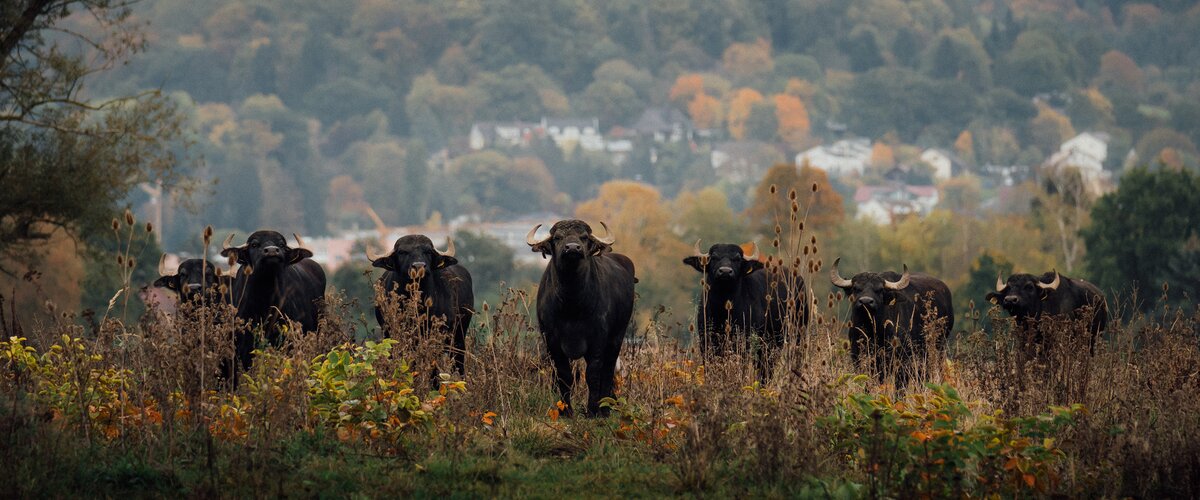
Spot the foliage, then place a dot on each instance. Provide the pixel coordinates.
(934, 445)
(1137, 230)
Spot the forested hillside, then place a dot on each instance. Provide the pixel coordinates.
(296, 103)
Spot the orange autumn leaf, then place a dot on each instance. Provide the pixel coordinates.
(488, 418)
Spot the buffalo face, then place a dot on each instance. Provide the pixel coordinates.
(569, 242)
(193, 279)
(1023, 293)
(867, 290)
(415, 256)
(724, 263)
(266, 251)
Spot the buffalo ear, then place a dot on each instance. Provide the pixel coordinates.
(165, 282)
(445, 261)
(235, 254)
(993, 297)
(753, 265)
(384, 262)
(298, 254)
(543, 247)
(694, 261)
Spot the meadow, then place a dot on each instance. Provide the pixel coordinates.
(137, 409)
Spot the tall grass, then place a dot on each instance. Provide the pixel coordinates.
(140, 407)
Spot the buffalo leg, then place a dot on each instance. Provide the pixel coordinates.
(459, 350)
(596, 371)
(564, 379)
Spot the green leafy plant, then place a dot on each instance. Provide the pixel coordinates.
(932, 444)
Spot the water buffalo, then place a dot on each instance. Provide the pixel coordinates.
(439, 278)
(274, 283)
(889, 313)
(1029, 298)
(584, 303)
(194, 280)
(741, 293)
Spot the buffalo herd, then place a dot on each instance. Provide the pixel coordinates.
(585, 301)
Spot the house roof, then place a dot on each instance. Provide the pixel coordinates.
(867, 193)
(660, 119)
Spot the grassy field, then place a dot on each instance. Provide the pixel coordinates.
(136, 410)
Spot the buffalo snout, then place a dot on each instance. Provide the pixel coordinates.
(573, 248)
(1011, 300)
(868, 302)
(724, 271)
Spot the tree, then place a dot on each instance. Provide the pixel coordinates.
(792, 116)
(68, 162)
(1139, 230)
(1062, 209)
(817, 204)
(1049, 129)
(958, 55)
(740, 106)
(748, 60)
(489, 260)
(705, 215)
(964, 145)
(882, 156)
(705, 111)
(763, 122)
(1118, 69)
(1152, 145)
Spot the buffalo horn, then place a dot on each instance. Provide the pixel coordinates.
(370, 254)
(696, 249)
(999, 283)
(753, 251)
(835, 277)
(449, 248)
(228, 241)
(162, 266)
(529, 237)
(608, 239)
(898, 285)
(299, 242)
(1053, 285)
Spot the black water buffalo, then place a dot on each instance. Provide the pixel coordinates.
(274, 283)
(1029, 298)
(439, 278)
(195, 280)
(584, 303)
(888, 316)
(741, 292)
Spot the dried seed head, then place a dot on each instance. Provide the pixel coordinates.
(1165, 287)
(795, 206)
(485, 307)
(805, 249)
(778, 229)
(792, 194)
(774, 189)
(814, 188)
(796, 263)
(814, 239)
(120, 260)
(801, 226)
(208, 232)
(775, 243)
(115, 224)
(129, 217)
(131, 262)
(149, 228)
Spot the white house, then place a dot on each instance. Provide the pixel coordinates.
(844, 157)
(1086, 152)
(887, 203)
(501, 134)
(570, 132)
(944, 163)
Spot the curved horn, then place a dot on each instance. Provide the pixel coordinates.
(371, 256)
(999, 283)
(835, 277)
(228, 241)
(529, 237)
(449, 247)
(609, 240)
(696, 250)
(1053, 285)
(299, 242)
(898, 285)
(753, 251)
(162, 266)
